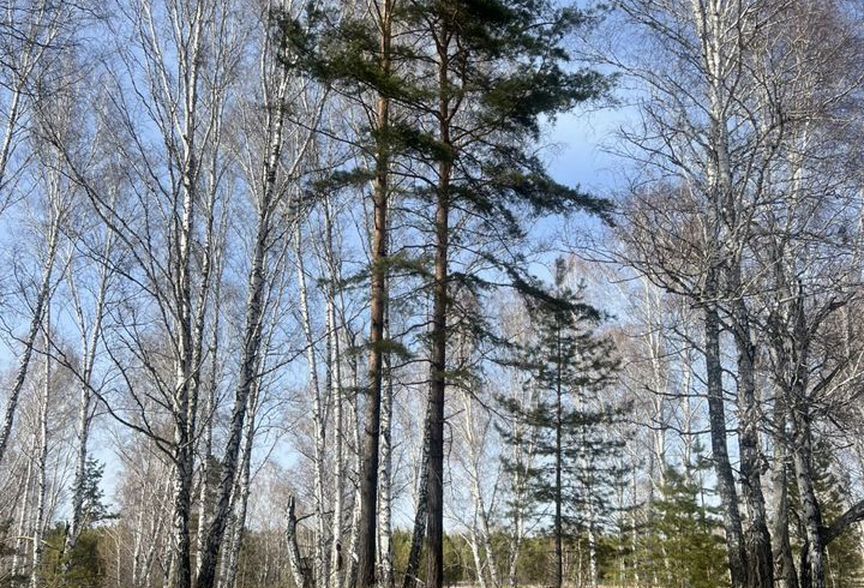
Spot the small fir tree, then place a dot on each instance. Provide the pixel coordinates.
(571, 367)
(686, 546)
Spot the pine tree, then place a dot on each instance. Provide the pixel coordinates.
(94, 509)
(495, 69)
(80, 566)
(685, 545)
(87, 568)
(571, 368)
(361, 58)
(463, 87)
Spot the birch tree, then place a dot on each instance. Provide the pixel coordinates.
(270, 191)
(712, 157)
(805, 304)
(183, 108)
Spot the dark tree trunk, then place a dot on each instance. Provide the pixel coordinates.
(372, 428)
(435, 530)
(784, 559)
(366, 539)
(806, 580)
(435, 525)
(760, 563)
(248, 376)
(559, 530)
(811, 512)
(791, 350)
(181, 568)
(720, 453)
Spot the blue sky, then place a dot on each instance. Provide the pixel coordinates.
(578, 156)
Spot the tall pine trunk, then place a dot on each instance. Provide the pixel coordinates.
(368, 491)
(435, 524)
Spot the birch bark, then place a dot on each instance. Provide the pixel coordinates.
(38, 546)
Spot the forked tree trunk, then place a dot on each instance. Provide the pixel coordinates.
(760, 564)
(299, 574)
(812, 566)
(719, 35)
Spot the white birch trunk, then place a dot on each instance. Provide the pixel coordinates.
(231, 558)
(474, 545)
(481, 516)
(334, 389)
(295, 560)
(321, 574)
(38, 546)
(385, 530)
(23, 520)
(355, 513)
(39, 309)
(336, 556)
